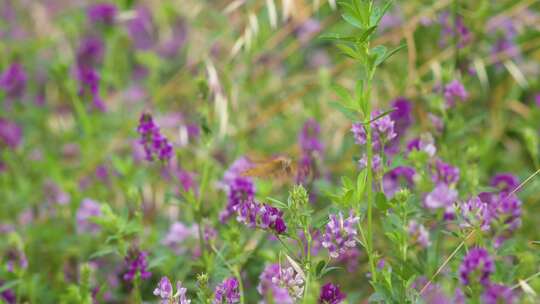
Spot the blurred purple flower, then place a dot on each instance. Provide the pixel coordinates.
(7, 294)
(402, 116)
(155, 144)
(383, 131)
(537, 99)
(53, 194)
(331, 294)
(340, 234)
(87, 210)
(309, 137)
(177, 236)
(176, 41)
(454, 91)
(418, 234)
(307, 30)
(452, 27)
(445, 173)
(241, 190)
(476, 213)
(505, 182)
(271, 286)
(227, 292)
(90, 51)
(476, 266)
(497, 293)
(396, 177)
(141, 29)
(13, 80)
(136, 262)
(164, 290)
(10, 134)
(441, 197)
(102, 13)
(424, 143)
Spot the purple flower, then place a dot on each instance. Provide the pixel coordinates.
(227, 292)
(177, 236)
(382, 131)
(278, 285)
(376, 162)
(394, 178)
(136, 263)
(331, 294)
(497, 293)
(155, 144)
(54, 195)
(452, 28)
(102, 13)
(440, 197)
(10, 134)
(8, 295)
(307, 29)
(263, 216)
(476, 266)
(505, 182)
(445, 173)
(454, 90)
(90, 52)
(177, 40)
(164, 290)
(141, 29)
(309, 137)
(340, 234)
(424, 143)
(537, 99)
(13, 80)
(241, 190)
(418, 234)
(87, 210)
(236, 169)
(402, 116)
(476, 213)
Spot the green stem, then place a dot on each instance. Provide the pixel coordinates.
(308, 265)
(369, 181)
(240, 285)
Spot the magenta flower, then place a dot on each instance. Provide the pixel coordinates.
(331, 294)
(497, 293)
(402, 115)
(87, 210)
(418, 234)
(136, 262)
(441, 197)
(227, 292)
(164, 290)
(141, 29)
(340, 234)
(102, 13)
(10, 134)
(13, 80)
(396, 177)
(263, 216)
(309, 137)
(90, 52)
(155, 144)
(445, 173)
(454, 91)
(241, 190)
(505, 182)
(477, 266)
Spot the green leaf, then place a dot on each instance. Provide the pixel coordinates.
(365, 34)
(377, 14)
(342, 92)
(347, 50)
(352, 20)
(348, 112)
(378, 54)
(278, 203)
(381, 202)
(389, 54)
(338, 37)
(319, 268)
(361, 184)
(8, 285)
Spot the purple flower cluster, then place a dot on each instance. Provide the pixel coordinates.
(476, 267)
(154, 143)
(13, 81)
(262, 216)
(505, 182)
(164, 290)
(136, 262)
(89, 54)
(498, 293)
(283, 285)
(418, 234)
(227, 292)
(476, 213)
(402, 116)
(10, 134)
(340, 234)
(104, 13)
(87, 210)
(445, 173)
(445, 176)
(454, 27)
(454, 91)
(424, 143)
(394, 178)
(331, 294)
(310, 146)
(241, 190)
(141, 29)
(177, 236)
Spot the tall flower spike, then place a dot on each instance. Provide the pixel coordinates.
(13, 80)
(136, 262)
(155, 144)
(340, 234)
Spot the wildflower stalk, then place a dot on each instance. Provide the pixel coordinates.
(308, 264)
